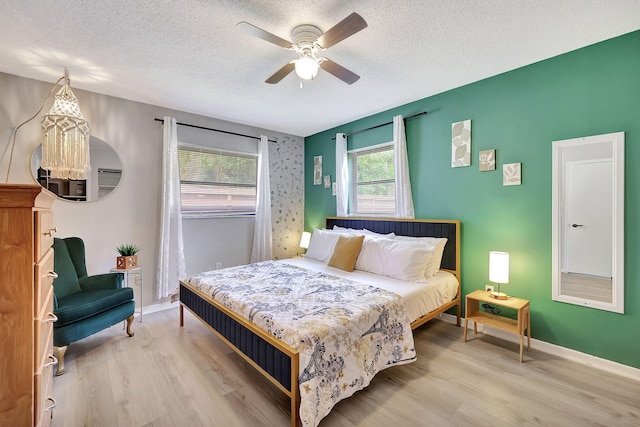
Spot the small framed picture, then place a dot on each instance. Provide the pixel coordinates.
(327, 181)
(512, 174)
(487, 160)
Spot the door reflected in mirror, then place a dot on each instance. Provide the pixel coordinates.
(104, 177)
(588, 221)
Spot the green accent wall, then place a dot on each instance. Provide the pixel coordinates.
(590, 91)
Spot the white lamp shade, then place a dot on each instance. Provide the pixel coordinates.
(305, 239)
(65, 138)
(306, 67)
(499, 267)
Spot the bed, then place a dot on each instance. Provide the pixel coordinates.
(286, 357)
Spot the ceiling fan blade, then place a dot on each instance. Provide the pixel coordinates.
(343, 29)
(339, 71)
(281, 73)
(264, 35)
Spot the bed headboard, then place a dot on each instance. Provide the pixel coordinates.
(412, 227)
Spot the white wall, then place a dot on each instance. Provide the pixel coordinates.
(131, 213)
(229, 243)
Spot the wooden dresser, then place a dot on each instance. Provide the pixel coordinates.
(26, 306)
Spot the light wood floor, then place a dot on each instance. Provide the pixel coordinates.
(171, 376)
(589, 287)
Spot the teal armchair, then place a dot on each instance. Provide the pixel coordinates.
(84, 304)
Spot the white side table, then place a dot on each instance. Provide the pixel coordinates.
(137, 272)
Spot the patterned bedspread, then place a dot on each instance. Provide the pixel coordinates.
(344, 331)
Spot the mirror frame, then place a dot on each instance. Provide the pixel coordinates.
(617, 282)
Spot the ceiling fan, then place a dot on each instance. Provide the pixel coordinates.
(308, 41)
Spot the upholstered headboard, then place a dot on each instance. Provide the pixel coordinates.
(415, 228)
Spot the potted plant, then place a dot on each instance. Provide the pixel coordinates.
(128, 258)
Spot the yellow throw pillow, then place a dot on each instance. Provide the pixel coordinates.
(346, 252)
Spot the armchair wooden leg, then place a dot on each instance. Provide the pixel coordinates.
(129, 323)
(59, 353)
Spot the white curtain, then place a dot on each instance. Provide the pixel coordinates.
(342, 175)
(262, 236)
(404, 200)
(171, 267)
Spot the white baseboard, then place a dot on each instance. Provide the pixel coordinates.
(556, 350)
(148, 309)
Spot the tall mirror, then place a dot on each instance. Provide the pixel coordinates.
(588, 221)
(104, 177)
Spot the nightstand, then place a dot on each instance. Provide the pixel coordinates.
(516, 326)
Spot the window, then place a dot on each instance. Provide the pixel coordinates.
(373, 180)
(217, 182)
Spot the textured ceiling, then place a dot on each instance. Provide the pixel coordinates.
(188, 55)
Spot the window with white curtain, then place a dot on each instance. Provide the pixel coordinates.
(217, 182)
(372, 180)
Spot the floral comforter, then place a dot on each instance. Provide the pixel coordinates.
(344, 331)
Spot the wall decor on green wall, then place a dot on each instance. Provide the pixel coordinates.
(327, 181)
(461, 144)
(512, 174)
(487, 160)
(317, 170)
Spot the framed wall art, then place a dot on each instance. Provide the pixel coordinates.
(317, 170)
(487, 160)
(461, 144)
(512, 174)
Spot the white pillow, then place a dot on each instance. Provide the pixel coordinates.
(403, 260)
(436, 258)
(364, 231)
(322, 244)
(434, 244)
(374, 234)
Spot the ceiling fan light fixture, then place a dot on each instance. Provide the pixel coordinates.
(308, 41)
(306, 67)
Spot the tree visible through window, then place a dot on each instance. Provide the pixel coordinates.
(213, 181)
(373, 181)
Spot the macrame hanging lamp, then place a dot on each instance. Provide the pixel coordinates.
(65, 139)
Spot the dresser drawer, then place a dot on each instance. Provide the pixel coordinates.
(44, 233)
(44, 276)
(43, 328)
(44, 353)
(44, 401)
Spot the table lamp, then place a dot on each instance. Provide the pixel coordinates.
(498, 271)
(305, 239)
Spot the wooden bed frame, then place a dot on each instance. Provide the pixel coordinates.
(275, 359)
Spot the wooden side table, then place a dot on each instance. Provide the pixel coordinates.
(516, 326)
